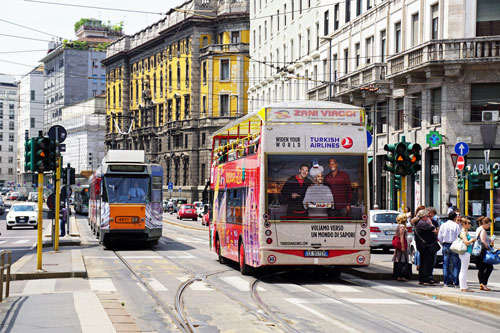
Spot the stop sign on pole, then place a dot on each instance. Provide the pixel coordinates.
(460, 163)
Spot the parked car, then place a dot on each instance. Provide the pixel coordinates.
(5, 190)
(205, 218)
(13, 195)
(199, 207)
(187, 211)
(22, 214)
(442, 219)
(383, 228)
(22, 197)
(33, 196)
(2, 206)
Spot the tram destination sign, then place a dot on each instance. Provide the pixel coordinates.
(303, 115)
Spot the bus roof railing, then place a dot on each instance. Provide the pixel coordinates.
(321, 112)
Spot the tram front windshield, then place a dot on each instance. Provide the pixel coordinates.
(120, 189)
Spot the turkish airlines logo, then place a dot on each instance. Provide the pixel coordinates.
(346, 142)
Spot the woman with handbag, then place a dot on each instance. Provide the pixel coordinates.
(465, 258)
(484, 270)
(401, 266)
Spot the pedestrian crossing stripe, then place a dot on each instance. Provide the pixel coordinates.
(156, 285)
(381, 301)
(239, 283)
(102, 285)
(343, 288)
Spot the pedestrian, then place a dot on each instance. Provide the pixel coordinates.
(427, 245)
(484, 270)
(375, 207)
(450, 207)
(433, 219)
(449, 231)
(401, 266)
(414, 221)
(465, 258)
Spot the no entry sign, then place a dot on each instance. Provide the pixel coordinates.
(460, 163)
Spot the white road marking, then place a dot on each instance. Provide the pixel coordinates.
(342, 288)
(142, 257)
(100, 257)
(300, 303)
(196, 285)
(184, 255)
(92, 316)
(293, 288)
(239, 283)
(141, 286)
(156, 285)
(386, 301)
(392, 289)
(22, 241)
(194, 240)
(101, 285)
(44, 286)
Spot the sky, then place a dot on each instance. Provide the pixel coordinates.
(38, 22)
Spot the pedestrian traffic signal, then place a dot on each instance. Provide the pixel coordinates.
(397, 182)
(496, 175)
(460, 180)
(29, 155)
(414, 157)
(389, 157)
(401, 166)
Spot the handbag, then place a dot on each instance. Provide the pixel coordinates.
(492, 257)
(478, 245)
(433, 247)
(458, 246)
(396, 242)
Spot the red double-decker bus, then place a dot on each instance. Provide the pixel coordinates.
(289, 187)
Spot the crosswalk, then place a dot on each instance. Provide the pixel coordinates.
(13, 242)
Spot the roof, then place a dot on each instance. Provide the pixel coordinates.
(96, 40)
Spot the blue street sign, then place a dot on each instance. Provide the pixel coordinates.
(369, 138)
(461, 149)
(170, 185)
(180, 189)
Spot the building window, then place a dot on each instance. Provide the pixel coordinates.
(204, 104)
(187, 106)
(32, 122)
(293, 8)
(278, 20)
(94, 78)
(186, 140)
(11, 125)
(383, 41)
(178, 75)
(224, 70)
(381, 112)
(306, 74)
(265, 30)
(346, 61)
(284, 15)
(368, 4)
(484, 97)
(357, 49)
(32, 95)
(414, 29)
(235, 37)
(347, 10)
(224, 105)
(169, 78)
(11, 159)
(308, 46)
(300, 46)
(416, 110)
(1, 124)
(11, 171)
(187, 74)
(400, 111)
(369, 50)
(488, 18)
(334, 61)
(11, 137)
(326, 23)
(336, 16)
(435, 21)
(436, 106)
(203, 138)
(204, 72)
(397, 37)
(358, 7)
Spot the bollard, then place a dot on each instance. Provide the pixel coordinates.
(7, 276)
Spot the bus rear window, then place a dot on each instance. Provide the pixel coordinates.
(316, 187)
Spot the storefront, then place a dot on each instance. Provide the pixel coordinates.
(433, 193)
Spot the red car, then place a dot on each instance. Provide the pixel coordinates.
(187, 211)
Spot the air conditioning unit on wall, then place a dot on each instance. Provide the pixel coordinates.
(490, 116)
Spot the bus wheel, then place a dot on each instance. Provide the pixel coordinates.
(244, 268)
(222, 260)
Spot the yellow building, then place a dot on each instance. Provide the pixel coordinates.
(174, 83)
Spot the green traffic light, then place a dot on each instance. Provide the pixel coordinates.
(496, 175)
(397, 182)
(389, 157)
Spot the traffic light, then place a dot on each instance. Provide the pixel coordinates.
(460, 180)
(401, 167)
(64, 175)
(29, 155)
(397, 182)
(473, 179)
(496, 175)
(39, 154)
(389, 157)
(72, 176)
(414, 157)
(49, 150)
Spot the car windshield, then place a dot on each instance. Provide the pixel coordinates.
(385, 218)
(23, 208)
(187, 207)
(121, 189)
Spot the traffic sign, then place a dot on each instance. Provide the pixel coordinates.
(170, 185)
(369, 138)
(454, 159)
(51, 201)
(461, 149)
(180, 189)
(460, 163)
(57, 133)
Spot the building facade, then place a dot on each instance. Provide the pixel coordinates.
(174, 83)
(73, 69)
(8, 107)
(29, 118)
(418, 67)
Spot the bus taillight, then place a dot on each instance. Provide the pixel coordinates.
(362, 241)
(269, 240)
(362, 233)
(375, 229)
(268, 232)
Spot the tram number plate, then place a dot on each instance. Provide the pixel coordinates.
(124, 219)
(316, 253)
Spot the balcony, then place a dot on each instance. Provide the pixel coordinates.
(225, 48)
(443, 52)
(372, 74)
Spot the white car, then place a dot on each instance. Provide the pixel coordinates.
(199, 208)
(383, 228)
(22, 215)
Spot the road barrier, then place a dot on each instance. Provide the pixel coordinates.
(3, 267)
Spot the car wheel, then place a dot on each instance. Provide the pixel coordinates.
(9, 228)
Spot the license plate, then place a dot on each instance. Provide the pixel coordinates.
(123, 219)
(316, 253)
(390, 232)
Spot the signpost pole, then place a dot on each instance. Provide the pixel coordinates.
(403, 193)
(58, 204)
(39, 222)
(398, 193)
(491, 203)
(466, 190)
(68, 189)
(458, 199)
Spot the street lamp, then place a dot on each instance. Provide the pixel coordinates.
(329, 39)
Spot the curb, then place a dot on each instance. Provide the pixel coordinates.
(47, 275)
(367, 273)
(492, 306)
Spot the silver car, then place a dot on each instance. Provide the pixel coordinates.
(383, 228)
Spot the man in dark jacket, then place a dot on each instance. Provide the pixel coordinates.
(293, 192)
(339, 183)
(425, 235)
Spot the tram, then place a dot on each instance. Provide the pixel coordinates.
(81, 197)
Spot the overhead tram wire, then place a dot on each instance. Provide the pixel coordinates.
(96, 7)
(25, 27)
